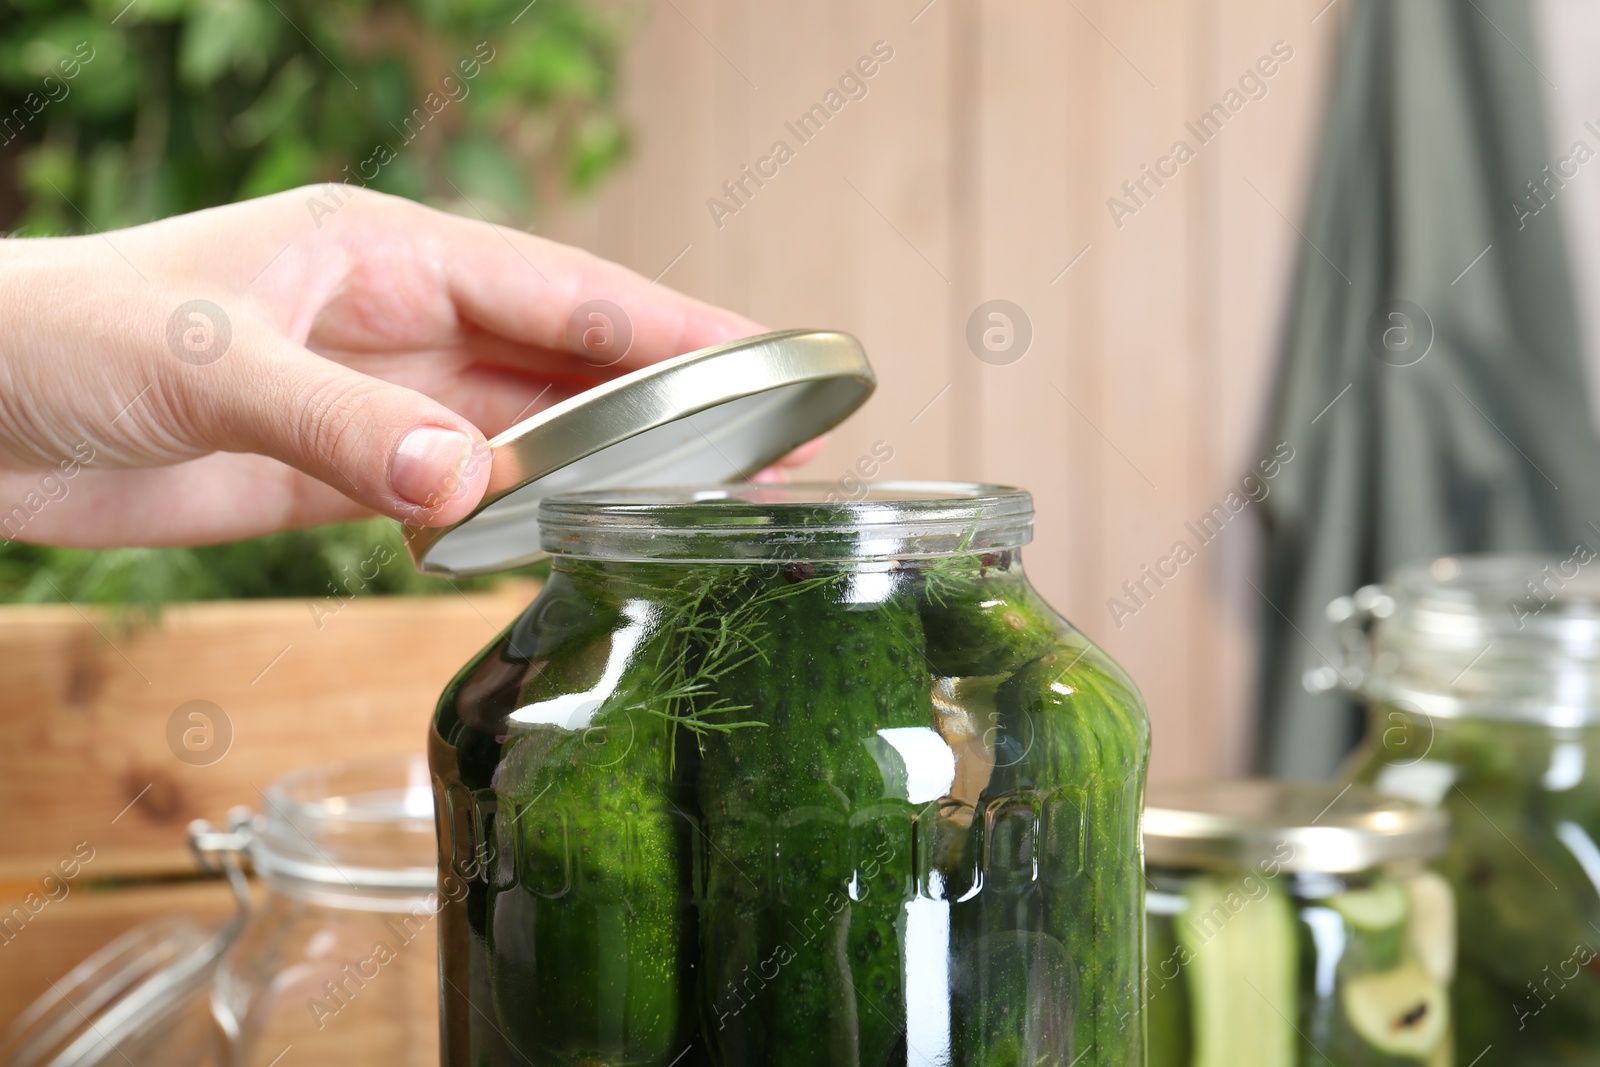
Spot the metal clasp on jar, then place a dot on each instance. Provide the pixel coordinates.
(1352, 617)
(224, 852)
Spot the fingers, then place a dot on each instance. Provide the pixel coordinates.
(546, 295)
(804, 454)
(389, 448)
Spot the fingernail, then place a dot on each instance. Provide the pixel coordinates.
(427, 465)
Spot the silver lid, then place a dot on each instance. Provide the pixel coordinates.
(1294, 826)
(1512, 638)
(717, 415)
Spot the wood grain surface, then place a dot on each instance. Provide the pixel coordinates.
(98, 785)
(93, 718)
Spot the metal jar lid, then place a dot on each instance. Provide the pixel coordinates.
(1511, 638)
(717, 415)
(1293, 826)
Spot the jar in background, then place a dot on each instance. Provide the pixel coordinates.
(141, 999)
(337, 966)
(1295, 924)
(1482, 676)
(765, 777)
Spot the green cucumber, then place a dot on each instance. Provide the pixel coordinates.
(1168, 1009)
(1007, 988)
(981, 616)
(591, 934)
(1377, 918)
(1057, 827)
(1242, 969)
(1399, 1012)
(809, 836)
(1431, 938)
(1525, 981)
(1383, 905)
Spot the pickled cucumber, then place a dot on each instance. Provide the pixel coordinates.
(809, 837)
(981, 616)
(1242, 953)
(1377, 924)
(1520, 863)
(1168, 1005)
(1431, 937)
(1400, 1012)
(1269, 975)
(1061, 862)
(597, 897)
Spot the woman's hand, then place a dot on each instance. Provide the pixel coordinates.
(303, 358)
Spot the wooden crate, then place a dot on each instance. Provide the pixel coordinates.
(98, 782)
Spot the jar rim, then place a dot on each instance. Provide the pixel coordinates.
(1531, 596)
(344, 829)
(812, 521)
(1321, 827)
(1513, 637)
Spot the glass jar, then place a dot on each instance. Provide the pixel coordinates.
(1482, 677)
(1295, 924)
(337, 965)
(761, 778)
(140, 999)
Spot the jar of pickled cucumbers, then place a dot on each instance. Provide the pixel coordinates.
(1482, 676)
(1295, 925)
(765, 776)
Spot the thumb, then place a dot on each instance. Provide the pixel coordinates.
(387, 447)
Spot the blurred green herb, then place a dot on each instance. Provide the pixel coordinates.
(113, 113)
(128, 111)
(332, 564)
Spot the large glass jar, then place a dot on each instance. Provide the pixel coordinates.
(337, 965)
(1295, 925)
(1483, 681)
(761, 778)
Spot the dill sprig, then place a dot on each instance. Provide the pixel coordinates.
(943, 577)
(714, 620)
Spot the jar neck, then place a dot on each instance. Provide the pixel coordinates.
(1504, 638)
(1400, 730)
(788, 524)
(1299, 885)
(356, 835)
(987, 563)
(330, 892)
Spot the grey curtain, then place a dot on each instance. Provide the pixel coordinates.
(1430, 377)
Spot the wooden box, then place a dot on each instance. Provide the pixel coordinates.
(103, 762)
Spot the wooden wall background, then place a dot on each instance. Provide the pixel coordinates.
(978, 167)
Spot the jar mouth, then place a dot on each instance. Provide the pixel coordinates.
(811, 521)
(1512, 637)
(1302, 827)
(1530, 598)
(343, 829)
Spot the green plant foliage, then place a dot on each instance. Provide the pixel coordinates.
(113, 113)
(329, 565)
